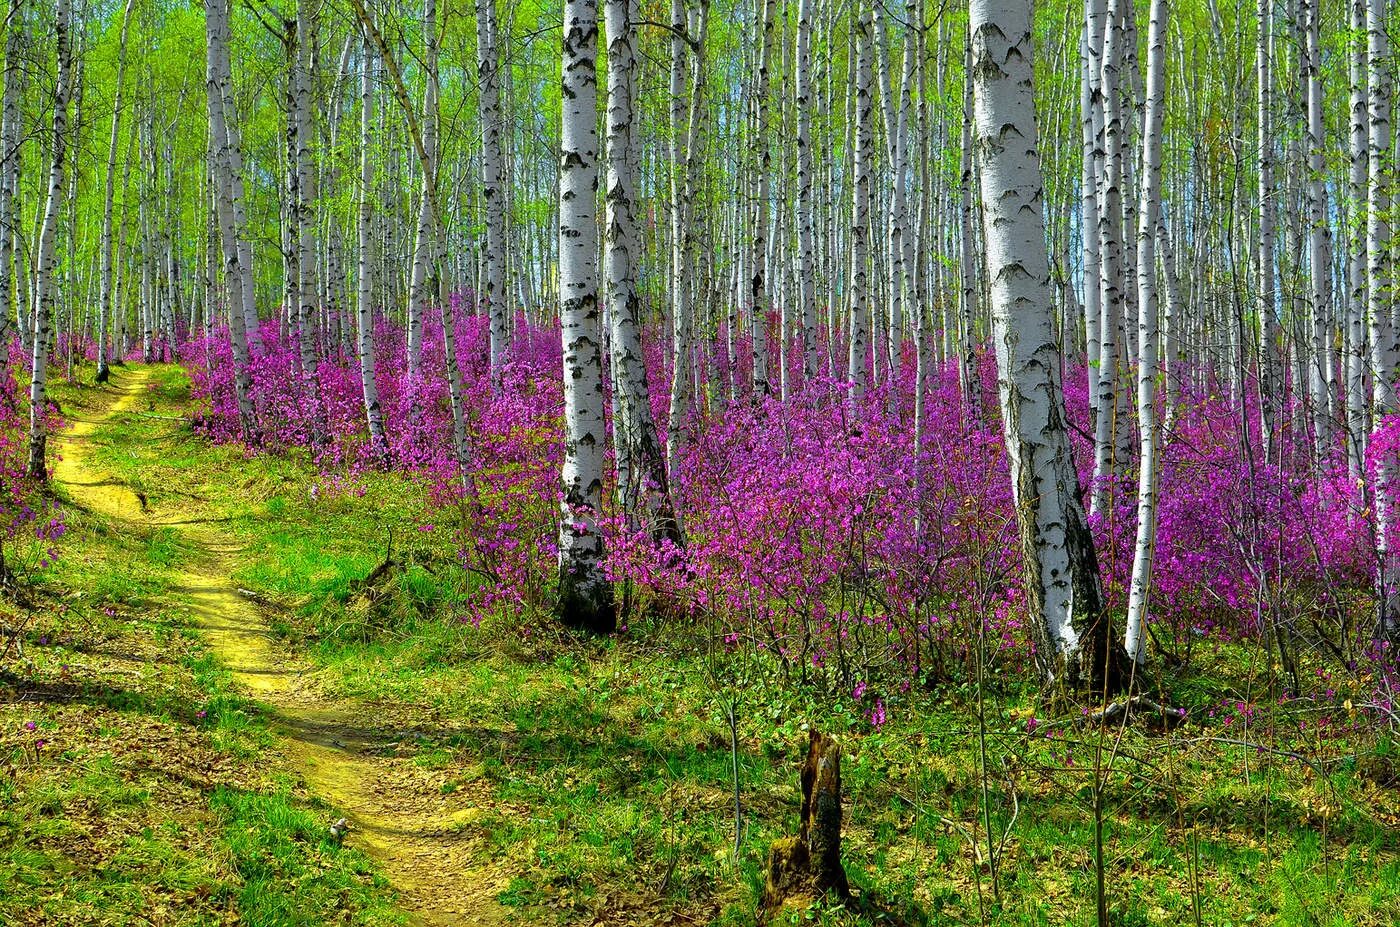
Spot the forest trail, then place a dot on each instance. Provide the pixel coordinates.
(344, 750)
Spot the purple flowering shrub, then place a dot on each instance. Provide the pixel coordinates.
(816, 534)
(30, 522)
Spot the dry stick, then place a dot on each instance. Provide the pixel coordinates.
(731, 707)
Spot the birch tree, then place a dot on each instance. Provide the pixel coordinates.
(685, 242)
(104, 299)
(237, 275)
(492, 187)
(1064, 595)
(1382, 329)
(1319, 235)
(806, 205)
(641, 463)
(47, 256)
(304, 226)
(758, 284)
(585, 596)
(1357, 359)
(864, 151)
(364, 314)
(11, 309)
(1264, 258)
(424, 247)
(1109, 424)
(1149, 217)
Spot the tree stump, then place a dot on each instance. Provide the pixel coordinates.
(801, 869)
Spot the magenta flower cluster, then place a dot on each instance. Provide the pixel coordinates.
(816, 530)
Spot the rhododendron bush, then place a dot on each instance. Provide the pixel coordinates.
(30, 521)
(814, 531)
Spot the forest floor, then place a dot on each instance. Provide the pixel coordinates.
(345, 749)
(208, 682)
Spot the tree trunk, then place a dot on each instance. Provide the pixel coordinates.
(641, 463)
(1068, 619)
(235, 275)
(801, 869)
(685, 245)
(864, 152)
(304, 227)
(11, 311)
(364, 314)
(1383, 359)
(43, 284)
(492, 185)
(1149, 216)
(1111, 412)
(1268, 378)
(585, 596)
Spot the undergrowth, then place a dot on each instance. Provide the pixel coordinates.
(608, 765)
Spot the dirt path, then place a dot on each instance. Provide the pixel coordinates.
(346, 751)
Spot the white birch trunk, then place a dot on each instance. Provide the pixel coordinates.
(1091, 104)
(806, 208)
(585, 597)
(1378, 273)
(424, 246)
(1319, 235)
(492, 185)
(1149, 217)
(969, 379)
(759, 285)
(1062, 579)
(1357, 352)
(44, 269)
(364, 314)
(104, 299)
(640, 460)
(217, 71)
(862, 168)
(11, 309)
(1264, 257)
(305, 226)
(685, 244)
(1110, 405)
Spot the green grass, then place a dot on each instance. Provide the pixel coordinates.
(154, 796)
(602, 774)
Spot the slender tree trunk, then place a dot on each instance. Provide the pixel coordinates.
(1091, 163)
(305, 221)
(11, 309)
(424, 248)
(364, 314)
(1378, 273)
(806, 209)
(44, 283)
(641, 462)
(1268, 378)
(686, 244)
(1111, 411)
(1319, 235)
(216, 19)
(1173, 360)
(969, 379)
(864, 152)
(900, 255)
(1149, 217)
(492, 185)
(1357, 349)
(759, 286)
(104, 304)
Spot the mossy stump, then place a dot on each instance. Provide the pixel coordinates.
(804, 868)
